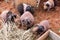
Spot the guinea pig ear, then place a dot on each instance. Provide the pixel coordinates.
(20, 9)
(22, 21)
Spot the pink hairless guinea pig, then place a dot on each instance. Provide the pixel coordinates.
(7, 16)
(41, 27)
(27, 19)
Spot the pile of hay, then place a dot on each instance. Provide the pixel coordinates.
(10, 31)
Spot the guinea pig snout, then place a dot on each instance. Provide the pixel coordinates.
(11, 17)
(40, 29)
(28, 24)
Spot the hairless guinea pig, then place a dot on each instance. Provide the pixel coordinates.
(41, 27)
(27, 20)
(10, 16)
(50, 4)
(7, 16)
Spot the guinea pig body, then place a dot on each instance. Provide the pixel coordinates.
(41, 27)
(25, 7)
(49, 4)
(10, 16)
(27, 19)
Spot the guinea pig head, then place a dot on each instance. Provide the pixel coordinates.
(10, 16)
(26, 23)
(38, 29)
(46, 6)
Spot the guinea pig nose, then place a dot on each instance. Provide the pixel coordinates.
(23, 21)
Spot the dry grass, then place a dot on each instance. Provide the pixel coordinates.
(10, 31)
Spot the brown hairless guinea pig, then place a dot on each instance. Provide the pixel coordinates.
(27, 20)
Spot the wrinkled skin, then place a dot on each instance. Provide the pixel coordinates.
(27, 20)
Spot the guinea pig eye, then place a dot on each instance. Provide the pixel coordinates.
(20, 9)
(23, 21)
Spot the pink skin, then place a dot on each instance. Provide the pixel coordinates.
(44, 23)
(27, 15)
(4, 14)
